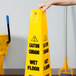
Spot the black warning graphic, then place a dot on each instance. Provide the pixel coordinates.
(34, 39)
(45, 38)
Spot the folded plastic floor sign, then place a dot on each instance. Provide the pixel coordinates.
(38, 57)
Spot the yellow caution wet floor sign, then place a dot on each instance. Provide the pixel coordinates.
(38, 57)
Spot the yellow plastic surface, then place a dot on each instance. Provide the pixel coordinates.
(3, 50)
(66, 69)
(1, 65)
(38, 58)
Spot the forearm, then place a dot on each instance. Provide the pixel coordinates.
(73, 2)
(63, 2)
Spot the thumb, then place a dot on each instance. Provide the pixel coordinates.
(41, 5)
(44, 9)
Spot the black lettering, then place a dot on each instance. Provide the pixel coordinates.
(46, 44)
(34, 45)
(46, 61)
(33, 68)
(46, 67)
(34, 52)
(33, 62)
(47, 75)
(45, 51)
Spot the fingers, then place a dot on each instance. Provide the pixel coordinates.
(41, 5)
(45, 8)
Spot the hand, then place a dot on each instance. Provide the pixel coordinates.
(45, 5)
